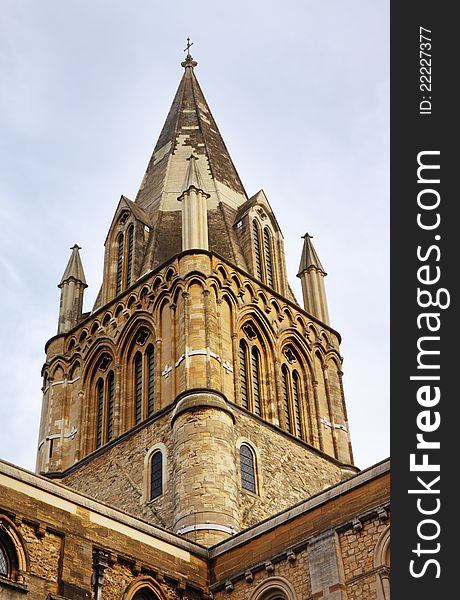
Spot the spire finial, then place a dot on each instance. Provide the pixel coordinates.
(189, 62)
(307, 235)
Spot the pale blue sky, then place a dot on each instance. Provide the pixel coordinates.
(300, 90)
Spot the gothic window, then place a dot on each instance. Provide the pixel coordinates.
(247, 468)
(268, 256)
(250, 371)
(285, 388)
(255, 379)
(156, 475)
(119, 264)
(130, 252)
(104, 395)
(110, 401)
(151, 381)
(143, 379)
(262, 240)
(13, 563)
(257, 255)
(243, 375)
(292, 391)
(138, 388)
(124, 255)
(100, 411)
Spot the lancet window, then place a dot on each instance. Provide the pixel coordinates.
(143, 377)
(248, 468)
(263, 253)
(124, 256)
(104, 393)
(250, 367)
(292, 392)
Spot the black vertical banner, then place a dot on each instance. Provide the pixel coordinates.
(425, 250)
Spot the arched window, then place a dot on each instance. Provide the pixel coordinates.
(262, 240)
(100, 411)
(247, 468)
(130, 255)
(151, 381)
(268, 256)
(119, 279)
(257, 255)
(295, 401)
(285, 387)
(110, 402)
(255, 369)
(142, 377)
(156, 475)
(104, 401)
(13, 560)
(243, 375)
(292, 392)
(251, 371)
(138, 388)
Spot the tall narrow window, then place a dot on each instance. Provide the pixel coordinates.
(295, 400)
(247, 468)
(100, 411)
(243, 376)
(268, 257)
(119, 264)
(151, 381)
(255, 380)
(129, 260)
(255, 235)
(284, 385)
(138, 388)
(110, 401)
(156, 475)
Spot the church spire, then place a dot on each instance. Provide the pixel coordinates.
(311, 274)
(72, 285)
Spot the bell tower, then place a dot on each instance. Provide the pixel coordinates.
(196, 388)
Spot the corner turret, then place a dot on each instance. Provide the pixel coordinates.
(72, 286)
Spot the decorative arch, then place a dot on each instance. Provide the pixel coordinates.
(144, 588)
(14, 562)
(138, 356)
(254, 349)
(274, 588)
(382, 564)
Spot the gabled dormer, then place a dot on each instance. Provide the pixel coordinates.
(262, 242)
(125, 248)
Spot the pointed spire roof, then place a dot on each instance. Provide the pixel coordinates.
(309, 256)
(189, 128)
(74, 269)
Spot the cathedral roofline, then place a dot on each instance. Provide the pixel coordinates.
(380, 469)
(64, 497)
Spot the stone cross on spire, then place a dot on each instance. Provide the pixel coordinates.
(189, 62)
